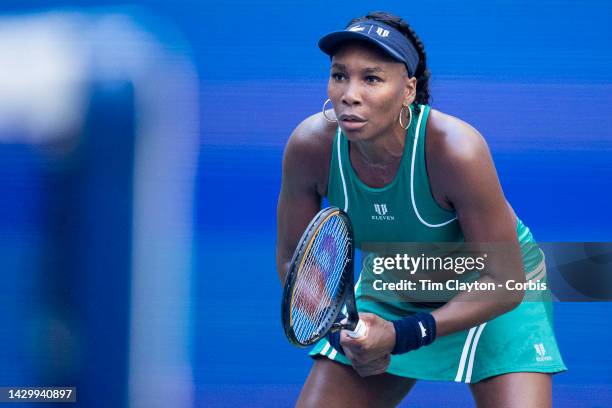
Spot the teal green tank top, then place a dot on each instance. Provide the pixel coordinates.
(402, 211)
(405, 209)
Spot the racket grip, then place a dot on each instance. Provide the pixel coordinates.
(360, 330)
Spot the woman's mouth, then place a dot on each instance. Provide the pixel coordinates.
(352, 122)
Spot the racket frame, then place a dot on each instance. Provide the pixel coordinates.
(346, 295)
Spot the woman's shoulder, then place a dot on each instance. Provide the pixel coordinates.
(314, 132)
(453, 139)
(309, 148)
(456, 154)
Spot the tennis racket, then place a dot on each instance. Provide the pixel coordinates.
(320, 281)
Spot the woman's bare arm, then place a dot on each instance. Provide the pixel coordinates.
(463, 170)
(304, 183)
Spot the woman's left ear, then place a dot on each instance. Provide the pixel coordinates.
(410, 93)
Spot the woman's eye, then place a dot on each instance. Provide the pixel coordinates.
(337, 76)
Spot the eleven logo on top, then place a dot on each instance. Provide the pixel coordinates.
(381, 213)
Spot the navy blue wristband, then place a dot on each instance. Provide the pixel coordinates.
(334, 338)
(413, 332)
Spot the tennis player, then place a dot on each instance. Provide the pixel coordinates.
(405, 172)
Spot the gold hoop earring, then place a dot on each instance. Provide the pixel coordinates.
(324, 114)
(400, 118)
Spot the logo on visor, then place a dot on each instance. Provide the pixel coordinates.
(382, 32)
(357, 28)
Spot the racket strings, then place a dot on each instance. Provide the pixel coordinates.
(311, 320)
(319, 278)
(320, 256)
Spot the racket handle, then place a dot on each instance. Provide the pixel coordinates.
(360, 330)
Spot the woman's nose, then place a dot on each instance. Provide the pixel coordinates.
(351, 95)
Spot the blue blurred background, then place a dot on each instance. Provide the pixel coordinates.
(140, 157)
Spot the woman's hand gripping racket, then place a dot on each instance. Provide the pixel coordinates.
(320, 281)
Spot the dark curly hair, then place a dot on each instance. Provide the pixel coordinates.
(422, 74)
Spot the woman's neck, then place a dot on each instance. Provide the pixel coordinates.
(383, 150)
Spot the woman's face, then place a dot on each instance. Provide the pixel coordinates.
(367, 89)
